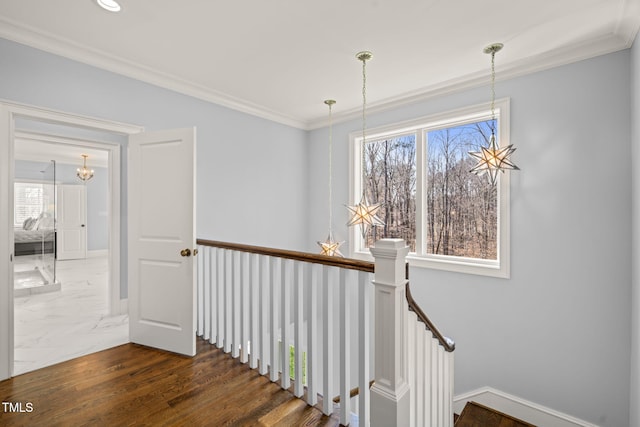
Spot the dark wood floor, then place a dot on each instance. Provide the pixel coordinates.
(136, 385)
(477, 415)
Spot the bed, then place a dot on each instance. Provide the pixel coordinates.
(36, 236)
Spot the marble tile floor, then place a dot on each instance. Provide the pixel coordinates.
(57, 326)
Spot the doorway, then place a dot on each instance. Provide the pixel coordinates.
(10, 114)
(56, 320)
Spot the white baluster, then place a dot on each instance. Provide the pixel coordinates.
(411, 364)
(421, 334)
(228, 303)
(235, 305)
(434, 381)
(312, 299)
(364, 372)
(200, 299)
(450, 382)
(273, 324)
(298, 333)
(211, 282)
(245, 306)
(285, 315)
(327, 340)
(441, 414)
(345, 350)
(206, 294)
(265, 296)
(220, 286)
(254, 335)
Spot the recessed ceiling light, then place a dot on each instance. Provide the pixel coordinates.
(110, 5)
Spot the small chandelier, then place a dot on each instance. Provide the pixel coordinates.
(330, 247)
(83, 173)
(493, 159)
(363, 213)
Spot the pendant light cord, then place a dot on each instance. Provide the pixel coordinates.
(330, 169)
(493, 85)
(364, 123)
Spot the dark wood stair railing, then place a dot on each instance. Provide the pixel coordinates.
(348, 263)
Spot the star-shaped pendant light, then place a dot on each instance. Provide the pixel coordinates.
(330, 247)
(363, 213)
(493, 159)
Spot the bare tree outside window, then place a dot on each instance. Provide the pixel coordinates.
(461, 215)
(391, 179)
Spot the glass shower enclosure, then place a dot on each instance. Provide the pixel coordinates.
(35, 233)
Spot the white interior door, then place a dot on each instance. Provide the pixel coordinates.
(162, 239)
(71, 234)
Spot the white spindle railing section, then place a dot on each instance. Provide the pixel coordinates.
(305, 320)
(301, 319)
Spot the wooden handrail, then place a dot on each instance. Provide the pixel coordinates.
(348, 263)
(447, 343)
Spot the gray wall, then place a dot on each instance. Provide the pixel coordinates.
(250, 172)
(97, 192)
(557, 332)
(635, 322)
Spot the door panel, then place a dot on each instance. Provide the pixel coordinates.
(161, 225)
(71, 219)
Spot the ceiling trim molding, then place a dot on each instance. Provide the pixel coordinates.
(72, 50)
(621, 38)
(580, 51)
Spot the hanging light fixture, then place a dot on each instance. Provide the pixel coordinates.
(493, 159)
(83, 173)
(363, 213)
(330, 247)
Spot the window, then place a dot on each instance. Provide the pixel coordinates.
(30, 200)
(450, 218)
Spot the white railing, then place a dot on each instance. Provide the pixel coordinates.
(431, 376)
(251, 300)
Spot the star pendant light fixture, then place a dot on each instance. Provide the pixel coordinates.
(83, 173)
(363, 213)
(493, 159)
(330, 247)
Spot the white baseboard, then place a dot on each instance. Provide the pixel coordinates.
(98, 253)
(527, 411)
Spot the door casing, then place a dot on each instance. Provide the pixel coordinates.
(9, 112)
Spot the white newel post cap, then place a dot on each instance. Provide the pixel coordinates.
(390, 257)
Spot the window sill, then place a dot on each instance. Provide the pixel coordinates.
(456, 265)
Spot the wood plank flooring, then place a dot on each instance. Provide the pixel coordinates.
(136, 385)
(477, 415)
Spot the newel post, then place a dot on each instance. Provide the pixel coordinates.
(390, 393)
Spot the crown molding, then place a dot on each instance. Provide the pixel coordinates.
(621, 38)
(574, 53)
(71, 49)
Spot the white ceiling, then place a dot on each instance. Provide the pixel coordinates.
(33, 149)
(280, 59)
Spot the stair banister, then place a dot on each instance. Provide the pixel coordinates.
(390, 394)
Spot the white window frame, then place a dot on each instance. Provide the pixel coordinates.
(495, 268)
